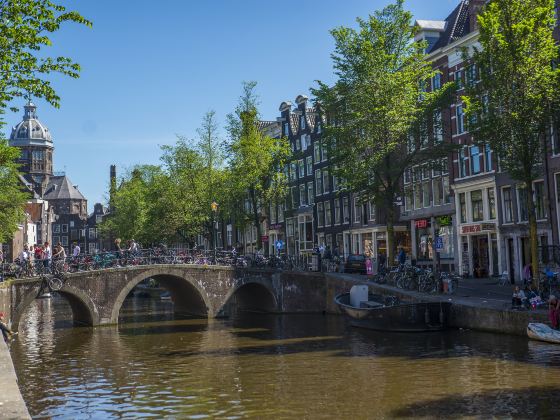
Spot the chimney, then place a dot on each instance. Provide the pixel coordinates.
(474, 9)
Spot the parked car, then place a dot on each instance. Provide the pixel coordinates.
(355, 264)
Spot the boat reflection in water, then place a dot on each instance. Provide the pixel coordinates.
(386, 313)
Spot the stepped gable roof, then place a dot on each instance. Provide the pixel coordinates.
(60, 188)
(263, 125)
(457, 25)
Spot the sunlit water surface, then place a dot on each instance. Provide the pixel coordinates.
(269, 366)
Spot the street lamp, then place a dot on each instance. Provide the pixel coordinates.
(214, 207)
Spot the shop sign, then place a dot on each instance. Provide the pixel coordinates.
(445, 221)
(275, 227)
(264, 238)
(438, 244)
(470, 229)
(488, 226)
(421, 224)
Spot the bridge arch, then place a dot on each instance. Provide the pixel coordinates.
(188, 296)
(253, 294)
(84, 311)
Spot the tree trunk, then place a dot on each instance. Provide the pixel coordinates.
(390, 236)
(256, 219)
(533, 234)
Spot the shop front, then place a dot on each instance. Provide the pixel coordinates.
(479, 256)
(373, 241)
(434, 243)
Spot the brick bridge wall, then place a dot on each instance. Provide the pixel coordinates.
(97, 296)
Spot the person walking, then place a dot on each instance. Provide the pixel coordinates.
(402, 256)
(76, 250)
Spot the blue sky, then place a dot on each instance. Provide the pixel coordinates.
(151, 69)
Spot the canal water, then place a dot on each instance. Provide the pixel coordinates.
(270, 366)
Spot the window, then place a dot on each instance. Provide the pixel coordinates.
(426, 199)
(540, 208)
(346, 210)
(371, 211)
(522, 203)
(446, 190)
(328, 215)
(426, 171)
(459, 78)
(357, 211)
(298, 144)
(408, 198)
(471, 75)
(301, 168)
(463, 162)
(336, 211)
(302, 122)
(463, 207)
(293, 171)
(318, 182)
(326, 182)
(460, 119)
(64, 240)
(286, 129)
(305, 232)
(310, 195)
(92, 248)
(64, 228)
(508, 204)
(475, 160)
(56, 229)
(491, 203)
(98, 218)
(280, 213)
(436, 81)
(273, 213)
(477, 207)
(309, 163)
(418, 196)
(55, 240)
(555, 140)
(302, 195)
(323, 152)
(92, 233)
(438, 127)
(320, 214)
(487, 158)
(295, 198)
(317, 152)
(444, 166)
(407, 176)
(437, 186)
(71, 223)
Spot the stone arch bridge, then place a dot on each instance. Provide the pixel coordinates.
(96, 297)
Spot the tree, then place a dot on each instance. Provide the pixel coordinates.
(256, 161)
(12, 199)
(25, 29)
(380, 120)
(512, 105)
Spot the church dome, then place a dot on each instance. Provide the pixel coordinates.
(30, 129)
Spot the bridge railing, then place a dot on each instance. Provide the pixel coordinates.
(107, 260)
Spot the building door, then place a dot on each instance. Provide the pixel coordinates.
(480, 256)
(511, 265)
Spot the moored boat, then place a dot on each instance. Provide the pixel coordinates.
(543, 332)
(388, 314)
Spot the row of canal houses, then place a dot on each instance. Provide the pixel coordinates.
(477, 212)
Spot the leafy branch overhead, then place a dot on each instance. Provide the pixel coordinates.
(25, 30)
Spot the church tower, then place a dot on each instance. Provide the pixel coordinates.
(35, 142)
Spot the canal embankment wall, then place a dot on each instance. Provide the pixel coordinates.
(12, 405)
(315, 292)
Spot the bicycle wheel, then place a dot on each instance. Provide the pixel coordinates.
(55, 283)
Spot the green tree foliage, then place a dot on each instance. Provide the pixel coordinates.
(378, 111)
(25, 29)
(512, 105)
(256, 162)
(12, 199)
(172, 201)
